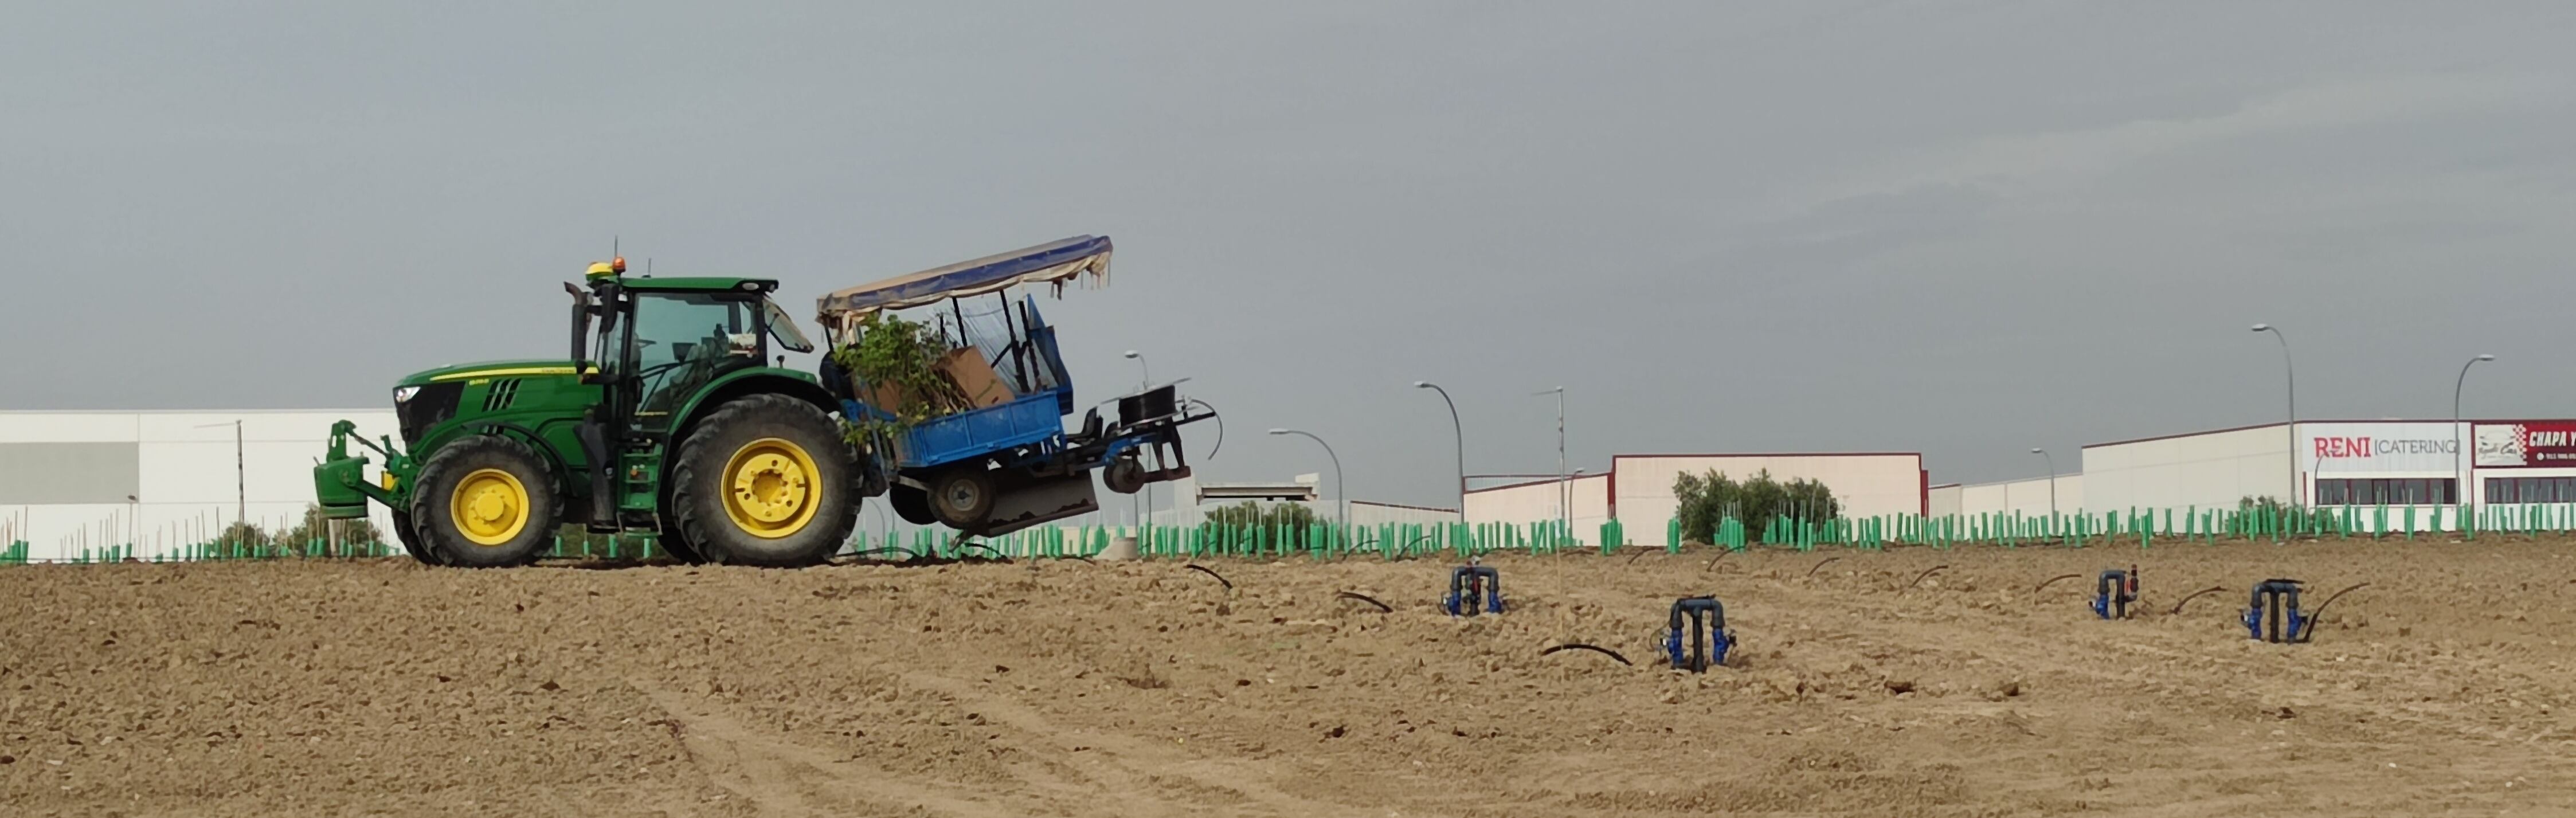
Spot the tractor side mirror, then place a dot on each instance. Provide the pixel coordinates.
(580, 330)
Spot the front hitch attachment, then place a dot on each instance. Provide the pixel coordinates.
(1468, 583)
(2277, 600)
(1709, 638)
(2113, 591)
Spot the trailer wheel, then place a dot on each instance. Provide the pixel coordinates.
(962, 497)
(765, 480)
(485, 502)
(1125, 475)
(911, 504)
(410, 539)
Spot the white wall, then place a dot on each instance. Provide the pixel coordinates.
(189, 487)
(1867, 485)
(2028, 498)
(1538, 501)
(1946, 500)
(2212, 470)
(1365, 513)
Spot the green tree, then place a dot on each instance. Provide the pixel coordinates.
(1296, 516)
(1705, 500)
(319, 536)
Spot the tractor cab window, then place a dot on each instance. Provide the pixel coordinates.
(784, 328)
(684, 341)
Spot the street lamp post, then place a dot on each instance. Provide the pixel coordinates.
(1564, 519)
(241, 476)
(1146, 372)
(2292, 368)
(1461, 432)
(1339, 487)
(2460, 446)
(2052, 488)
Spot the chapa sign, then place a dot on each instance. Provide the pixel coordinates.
(2526, 445)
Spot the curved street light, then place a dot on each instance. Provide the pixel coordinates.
(2460, 447)
(1339, 488)
(1460, 432)
(2290, 498)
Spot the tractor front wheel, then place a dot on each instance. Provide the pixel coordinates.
(765, 480)
(410, 539)
(485, 502)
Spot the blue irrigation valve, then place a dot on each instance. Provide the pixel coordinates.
(2113, 591)
(1469, 582)
(2277, 601)
(1709, 639)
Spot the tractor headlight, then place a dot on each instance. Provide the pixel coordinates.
(403, 394)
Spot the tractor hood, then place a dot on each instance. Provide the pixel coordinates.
(487, 369)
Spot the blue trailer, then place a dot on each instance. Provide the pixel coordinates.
(1009, 462)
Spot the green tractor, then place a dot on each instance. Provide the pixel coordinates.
(678, 425)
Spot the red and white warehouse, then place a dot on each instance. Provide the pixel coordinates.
(2316, 463)
(2321, 463)
(1638, 490)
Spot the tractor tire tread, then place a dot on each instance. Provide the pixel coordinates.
(547, 493)
(703, 534)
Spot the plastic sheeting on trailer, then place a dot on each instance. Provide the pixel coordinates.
(1054, 262)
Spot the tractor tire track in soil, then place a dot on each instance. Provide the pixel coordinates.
(1870, 685)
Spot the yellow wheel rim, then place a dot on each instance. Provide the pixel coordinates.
(490, 507)
(772, 488)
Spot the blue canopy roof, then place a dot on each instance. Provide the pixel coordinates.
(1055, 262)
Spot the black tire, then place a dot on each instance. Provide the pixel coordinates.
(676, 543)
(743, 434)
(409, 536)
(471, 463)
(911, 504)
(1125, 475)
(962, 497)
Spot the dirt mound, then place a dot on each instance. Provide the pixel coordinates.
(1861, 687)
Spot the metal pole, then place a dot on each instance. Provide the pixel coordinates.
(1564, 519)
(2461, 494)
(1146, 496)
(2292, 427)
(1461, 432)
(1339, 488)
(2052, 487)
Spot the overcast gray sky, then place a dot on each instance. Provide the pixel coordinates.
(1960, 228)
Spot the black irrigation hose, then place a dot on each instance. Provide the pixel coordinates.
(1594, 648)
(2177, 608)
(1828, 560)
(1918, 578)
(1632, 558)
(1364, 598)
(1205, 570)
(1220, 428)
(1712, 561)
(2321, 610)
(2052, 581)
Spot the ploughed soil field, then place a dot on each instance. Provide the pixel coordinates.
(1147, 689)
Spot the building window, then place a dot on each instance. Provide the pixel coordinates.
(2407, 491)
(2515, 490)
(2333, 493)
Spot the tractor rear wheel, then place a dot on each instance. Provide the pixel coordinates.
(410, 539)
(765, 480)
(485, 502)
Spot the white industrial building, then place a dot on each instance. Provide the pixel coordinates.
(1638, 490)
(1583, 500)
(159, 480)
(2400, 464)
